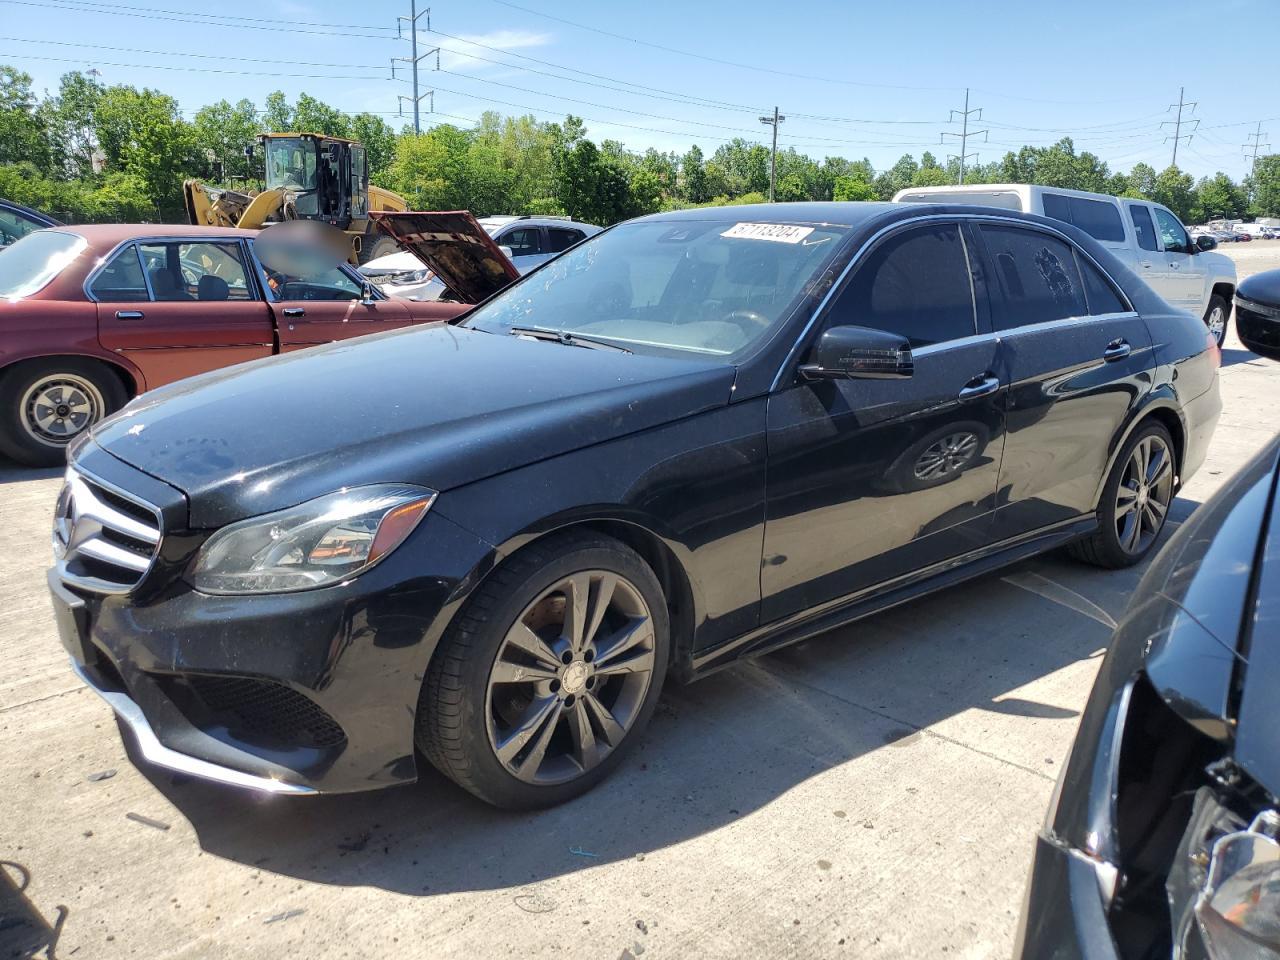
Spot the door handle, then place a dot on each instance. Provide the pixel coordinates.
(294, 311)
(1146, 264)
(128, 314)
(982, 386)
(1117, 350)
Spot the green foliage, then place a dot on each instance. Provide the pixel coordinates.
(853, 188)
(24, 134)
(118, 198)
(1217, 196)
(1175, 190)
(222, 131)
(1264, 187)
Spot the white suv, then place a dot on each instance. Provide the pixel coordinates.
(528, 241)
(1146, 236)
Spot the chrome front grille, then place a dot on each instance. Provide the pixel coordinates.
(104, 540)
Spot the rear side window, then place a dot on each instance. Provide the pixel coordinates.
(1098, 218)
(1143, 226)
(120, 281)
(14, 226)
(1036, 274)
(28, 265)
(915, 284)
(560, 239)
(1102, 295)
(196, 271)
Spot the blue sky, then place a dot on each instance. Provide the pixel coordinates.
(1104, 73)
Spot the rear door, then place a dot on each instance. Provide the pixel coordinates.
(872, 479)
(1076, 360)
(178, 307)
(326, 305)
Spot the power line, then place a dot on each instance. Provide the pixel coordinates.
(1177, 124)
(276, 22)
(158, 66)
(964, 135)
(203, 56)
(1256, 145)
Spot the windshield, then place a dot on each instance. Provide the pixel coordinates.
(688, 286)
(27, 265)
(291, 163)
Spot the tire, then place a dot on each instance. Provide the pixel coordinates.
(485, 694)
(376, 245)
(1217, 318)
(32, 395)
(1116, 543)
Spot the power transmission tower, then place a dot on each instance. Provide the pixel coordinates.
(1254, 147)
(773, 121)
(414, 59)
(964, 134)
(1179, 122)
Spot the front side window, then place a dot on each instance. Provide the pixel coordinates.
(1143, 227)
(1036, 275)
(1172, 233)
(701, 286)
(916, 284)
(560, 239)
(304, 272)
(28, 265)
(523, 242)
(180, 271)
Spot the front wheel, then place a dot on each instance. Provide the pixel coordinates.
(550, 673)
(1216, 319)
(1135, 502)
(45, 404)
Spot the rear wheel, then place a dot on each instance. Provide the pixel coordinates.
(1135, 501)
(550, 673)
(45, 404)
(375, 245)
(1216, 319)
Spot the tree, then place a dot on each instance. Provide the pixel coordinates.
(695, 176)
(23, 132)
(1264, 187)
(142, 133)
(379, 142)
(1217, 197)
(224, 131)
(1174, 189)
(1142, 181)
(853, 188)
(898, 177)
(71, 119)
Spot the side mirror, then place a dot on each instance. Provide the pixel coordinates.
(848, 353)
(1206, 242)
(506, 251)
(366, 293)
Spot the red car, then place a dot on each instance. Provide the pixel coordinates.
(91, 316)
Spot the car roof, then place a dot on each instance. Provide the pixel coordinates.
(838, 212)
(109, 234)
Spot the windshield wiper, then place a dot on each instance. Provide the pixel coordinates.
(567, 338)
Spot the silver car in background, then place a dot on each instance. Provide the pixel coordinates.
(527, 240)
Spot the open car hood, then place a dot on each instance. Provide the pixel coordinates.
(455, 247)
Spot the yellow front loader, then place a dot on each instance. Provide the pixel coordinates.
(308, 177)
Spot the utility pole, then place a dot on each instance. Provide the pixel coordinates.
(964, 134)
(1178, 123)
(1254, 147)
(773, 121)
(414, 59)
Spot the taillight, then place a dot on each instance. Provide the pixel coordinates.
(1215, 351)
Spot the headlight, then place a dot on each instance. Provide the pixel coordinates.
(314, 544)
(1239, 908)
(412, 276)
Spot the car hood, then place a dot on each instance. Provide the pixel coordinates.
(1263, 288)
(437, 405)
(455, 247)
(1217, 264)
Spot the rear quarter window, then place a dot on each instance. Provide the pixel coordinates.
(28, 265)
(1098, 218)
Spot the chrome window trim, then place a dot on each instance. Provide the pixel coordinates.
(856, 259)
(931, 348)
(1063, 322)
(110, 255)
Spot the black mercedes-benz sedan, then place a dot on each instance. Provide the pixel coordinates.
(694, 437)
(1163, 836)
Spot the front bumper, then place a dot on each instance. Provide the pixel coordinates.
(287, 693)
(1064, 916)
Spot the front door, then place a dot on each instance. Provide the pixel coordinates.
(872, 479)
(1076, 360)
(176, 308)
(1186, 275)
(324, 304)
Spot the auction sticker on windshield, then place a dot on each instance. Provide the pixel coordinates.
(777, 232)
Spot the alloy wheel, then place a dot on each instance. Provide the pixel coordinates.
(570, 677)
(946, 456)
(1217, 324)
(1144, 494)
(58, 407)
